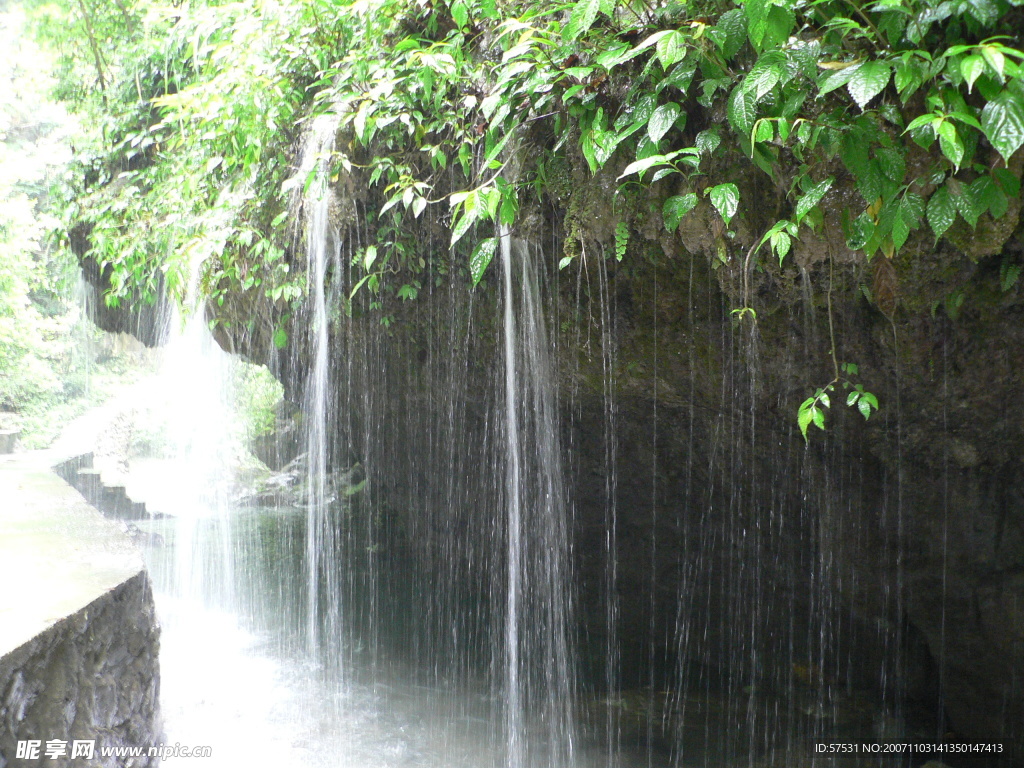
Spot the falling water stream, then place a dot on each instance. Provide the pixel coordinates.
(418, 600)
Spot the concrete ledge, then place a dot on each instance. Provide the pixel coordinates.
(78, 633)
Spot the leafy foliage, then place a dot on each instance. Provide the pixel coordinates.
(900, 117)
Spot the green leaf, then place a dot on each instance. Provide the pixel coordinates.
(864, 407)
(859, 232)
(781, 242)
(662, 120)
(671, 48)
(470, 213)
(765, 74)
(726, 199)
(757, 21)
(481, 258)
(892, 163)
(778, 27)
(582, 18)
(989, 196)
(621, 240)
(818, 417)
(564, 262)
(941, 211)
(1002, 120)
(708, 141)
(280, 338)
(1009, 273)
(763, 131)
(741, 111)
(972, 67)
(813, 197)
(676, 207)
(1009, 183)
(995, 59)
(966, 202)
(369, 257)
(950, 143)
(899, 232)
(734, 24)
(459, 13)
(640, 166)
(837, 79)
(910, 75)
(805, 415)
(868, 81)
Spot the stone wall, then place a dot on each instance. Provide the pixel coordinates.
(91, 676)
(79, 638)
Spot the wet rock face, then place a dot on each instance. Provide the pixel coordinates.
(92, 676)
(896, 544)
(892, 548)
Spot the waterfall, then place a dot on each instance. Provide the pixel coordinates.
(539, 681)
(322, 241)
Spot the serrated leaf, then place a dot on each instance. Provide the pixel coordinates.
(481, 258)
(966, 203)
(621, 240)
(899, 232)
(1009, 183)
(941, 211)
(671, 48)
(726, 199)
(912, 208)
(852, 397)
(470, 213)
(1002, 120)
(662, 120)
(734, 24)
(781, 243)
(837, 79)
(641, 165)
(778, 27)
(864, 407)
(995, 59)
(1008, 275)
(854, 154)
(741, 112)
(813, 197)
(868, 81)
(950, 144)
(765, 74)
(860, 231)
(989, 196)
(459, 13)
(818, 417)
(971, 67)
(763, 131)
(582, 18)
(804, 415)
(708, 141)
(757, 18)
(676, 207)
(369, 257)
(910, 75)
(892, 163)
